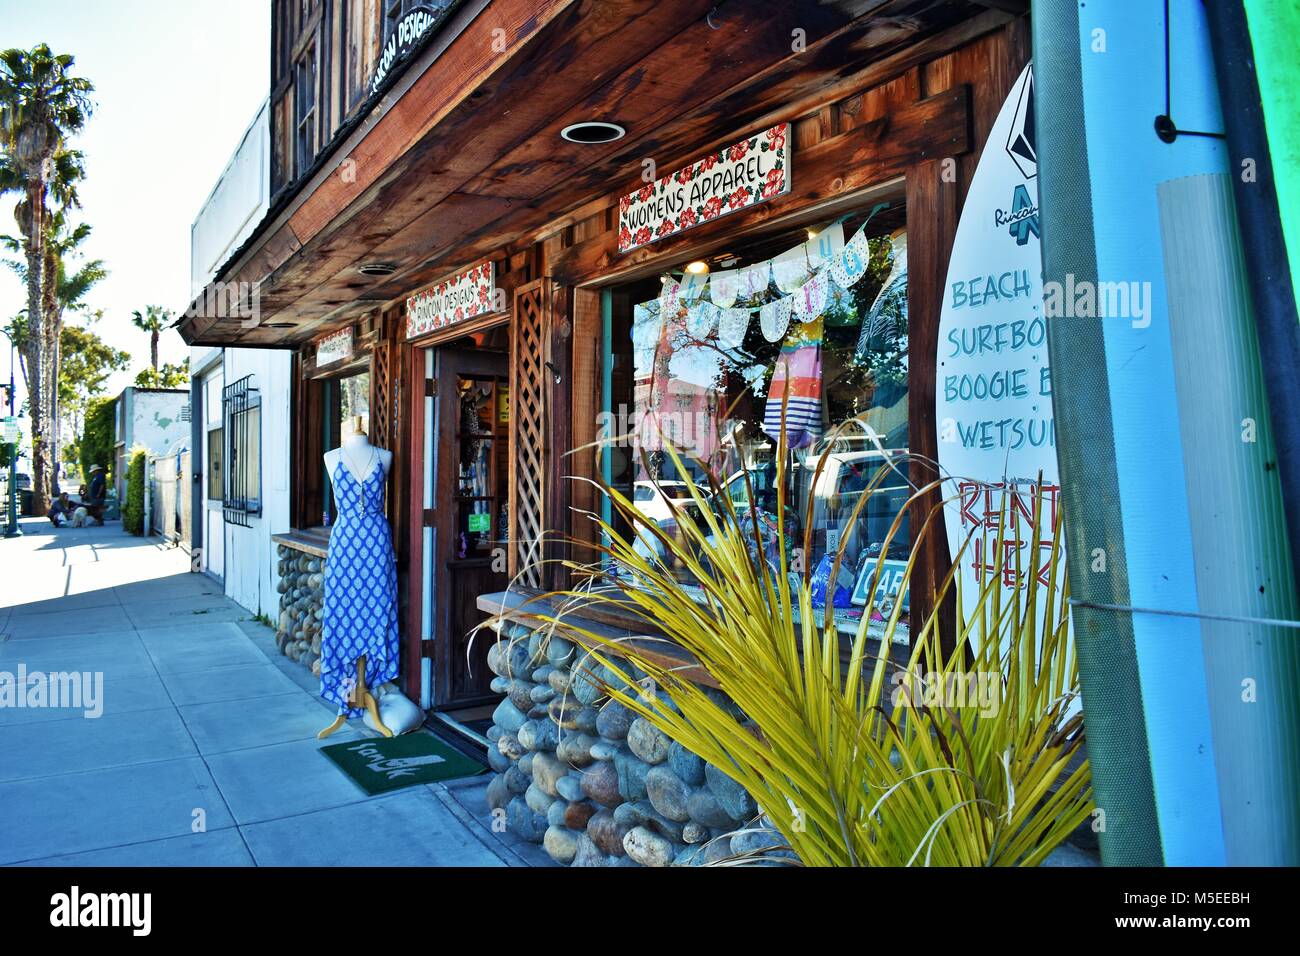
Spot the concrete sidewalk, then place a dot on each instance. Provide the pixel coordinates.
(204, 754)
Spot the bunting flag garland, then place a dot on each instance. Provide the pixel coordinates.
(732, 326)
(810, 301)
(833, 264)
(793, 266)
(692, 286)
(702, 319)
(851, 264)
(724, 286)
(756, 279)
(668, 296)
(774, 318)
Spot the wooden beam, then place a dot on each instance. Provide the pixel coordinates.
(585, 389)
(866, 156)
(593, 57)
(415, 214)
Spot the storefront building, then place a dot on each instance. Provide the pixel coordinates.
(525, 227)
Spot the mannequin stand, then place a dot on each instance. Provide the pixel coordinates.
(360, 697)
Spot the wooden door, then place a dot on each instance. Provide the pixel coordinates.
(470, 515)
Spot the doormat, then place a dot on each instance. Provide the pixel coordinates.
(380, 764)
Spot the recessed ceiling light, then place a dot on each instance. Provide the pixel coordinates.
(698, 267)
(593, 132)
(281, 325)
(377, 269)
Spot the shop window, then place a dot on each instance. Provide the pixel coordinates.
(700, 361)
(344, 399)
(304, 99)
(215, 444)
(393, 11)
(241, 414)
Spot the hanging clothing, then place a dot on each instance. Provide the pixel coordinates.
(681, 405)
(797, 380)
(360, 591)
(887, 317)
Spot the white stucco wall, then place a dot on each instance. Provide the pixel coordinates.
(248, 554)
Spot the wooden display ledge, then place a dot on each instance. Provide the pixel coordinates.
(610, 622)
(314, 541)
(603, 621)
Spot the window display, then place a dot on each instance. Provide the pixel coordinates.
(805, 331)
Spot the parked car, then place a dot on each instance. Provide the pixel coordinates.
(656, 499)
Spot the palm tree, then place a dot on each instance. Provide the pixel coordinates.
(154, 319)
(61, 291)
(41, 104)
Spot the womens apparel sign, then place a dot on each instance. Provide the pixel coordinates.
(456, 300)
(751, 171)
(334, 347)
(993, 401)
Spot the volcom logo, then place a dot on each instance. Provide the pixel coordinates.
(392, 767)
(1021, 146)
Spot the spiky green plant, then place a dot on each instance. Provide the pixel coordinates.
(854, 762)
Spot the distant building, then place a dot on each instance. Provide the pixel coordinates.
(241, 454)
(157, 418)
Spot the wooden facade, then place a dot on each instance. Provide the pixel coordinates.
(887, 99)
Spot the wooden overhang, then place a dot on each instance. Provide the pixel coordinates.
(468, 162)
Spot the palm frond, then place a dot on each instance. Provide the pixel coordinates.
(854, 759)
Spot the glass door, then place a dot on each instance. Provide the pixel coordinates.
(469, 527)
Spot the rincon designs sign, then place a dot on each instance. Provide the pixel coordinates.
(406, 33)
(455, 300)
(751, 171)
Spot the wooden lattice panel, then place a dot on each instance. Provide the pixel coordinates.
(528, 437)
(381, 395)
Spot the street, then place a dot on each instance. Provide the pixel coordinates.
(202, 753)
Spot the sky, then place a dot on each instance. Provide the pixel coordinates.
(176, 85)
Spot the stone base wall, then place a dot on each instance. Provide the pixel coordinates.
(594, 784)
(298, 630)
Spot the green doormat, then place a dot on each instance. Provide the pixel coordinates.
(380, 764)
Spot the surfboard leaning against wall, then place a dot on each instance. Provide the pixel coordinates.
(1164, 444)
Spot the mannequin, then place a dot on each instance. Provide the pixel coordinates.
(355, 452)
(360, 581)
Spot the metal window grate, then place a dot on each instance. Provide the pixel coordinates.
(241, 414)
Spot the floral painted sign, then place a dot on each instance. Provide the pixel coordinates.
(450, 302)
(334, 347)
(751, 171)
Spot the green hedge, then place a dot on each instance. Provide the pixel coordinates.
(96, 444)
(133, 507)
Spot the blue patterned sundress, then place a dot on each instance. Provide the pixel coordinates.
(360, 599)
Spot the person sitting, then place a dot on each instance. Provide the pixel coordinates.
(61, 510)
(93, 500)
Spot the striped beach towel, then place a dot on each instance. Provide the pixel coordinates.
(797, 380)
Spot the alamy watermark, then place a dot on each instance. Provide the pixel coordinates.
(980, 690)
(1085, 299)
(67, 690)
(229, 300)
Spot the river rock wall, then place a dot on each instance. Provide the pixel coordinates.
(298, 631)
(589, 780)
